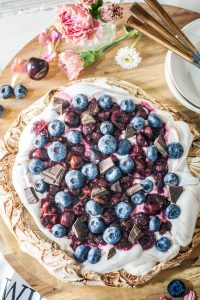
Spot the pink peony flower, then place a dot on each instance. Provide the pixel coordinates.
(110, 12)
(88, 2)
(77, 25)
(190, 296)
(50, 39)
(71, 64)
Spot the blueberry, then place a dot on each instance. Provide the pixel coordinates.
(152, 153)
(6, 91)
(1, 110)
(20, 91)
(81, 253)
(113, 175)
(96, 225)
(176, 288)
(172, 211)
(57, 151)
(94, 255)
(124, 147)
(74, 136)
(154, 224)
(106, 127)
(127, 105)
(105, 102)
(63, 199)
(171, 179)
(147, 185)
(93, 208)
(80, 101)
(90, 171)
(107, 144)
(58, 230)
(127, 165)
(56, 128)
(175, 150)
(36, 166)
(154, 121)
(163, 244)
(112, 235)
(74, 179)
(41, 186)
(138, 198)
(39, 141)
(138, 123)
(123, 210)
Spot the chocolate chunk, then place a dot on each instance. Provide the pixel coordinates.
(80, 229)
(105, 165)
(116, 187)
(31, 195)
(86, 118)
(133, 189)
(130, 132)
(174, 193)
(135, 234)
(93, 107)
(59, 104)
(98, 192)
(53, 175)
(161, 145)
(111, 253)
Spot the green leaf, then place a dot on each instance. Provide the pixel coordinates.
(94, 9)
(89, 57)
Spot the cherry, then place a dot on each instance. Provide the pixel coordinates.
(40, 154)
(37, 68)
(67, 219)
(72, 119)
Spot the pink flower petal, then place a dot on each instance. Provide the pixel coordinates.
(19, 66)
(190, 296)
(71, 64)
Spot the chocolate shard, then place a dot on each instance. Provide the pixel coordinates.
(31, 195)
(174, 193)
(53, 175)
(105, 165)
(116, 187)
(135, 234)
(111, 253)
(80, 229)
(98, 192)
(133, 189)
(59, 104)
(161, 145)
(86, 118)
(130, 132)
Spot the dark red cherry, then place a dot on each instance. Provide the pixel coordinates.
(40, 154)
(67, 219)
(141, 220)
(37, 68)
(147, 240)
(154, 204)
(72, 119)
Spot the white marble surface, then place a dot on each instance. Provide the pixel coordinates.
(21, 20)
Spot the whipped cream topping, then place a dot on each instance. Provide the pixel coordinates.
(136, 261)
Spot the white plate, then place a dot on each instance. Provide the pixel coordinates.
(185, 76)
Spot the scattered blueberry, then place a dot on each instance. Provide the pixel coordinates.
(138, 198)
(106, 127)
(93, 208)
(39, 141)
(58, 230)
(171, 179)
(94, 255)
(96, 225)
(107, 144)
(147, 185)
(138, 123)
(20, 91)
(163, 244)
(127, 105)
(36, 166)
(6, 91)
(74, 179)
(154, 224)
(123, 210)
(80, 101)
(81, 253)
(175, 150)
(74, 136)
(41, 186)
(105, 102)
(1, 110)
(154, 121)
(176, 288)
(112, 235)
(172, 211)
(57, 151)
(63, 199)
(90, 171)
(152, 153)
(127, 165)
(124, 147)
(56, 128)
(113, 175)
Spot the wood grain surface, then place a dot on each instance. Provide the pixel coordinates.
(149, 76)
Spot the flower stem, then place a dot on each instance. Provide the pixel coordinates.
(136, 41)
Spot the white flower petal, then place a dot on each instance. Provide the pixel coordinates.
(128, 58)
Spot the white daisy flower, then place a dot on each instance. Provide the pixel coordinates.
(128, 58)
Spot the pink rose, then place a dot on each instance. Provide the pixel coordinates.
(77, 25)
(50, 39)
(71, 64)
(110, 12)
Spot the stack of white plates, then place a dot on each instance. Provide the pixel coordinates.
(182, 77)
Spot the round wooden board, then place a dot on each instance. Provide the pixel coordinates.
(149, 76)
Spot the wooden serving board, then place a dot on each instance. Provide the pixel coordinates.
(149, 76)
